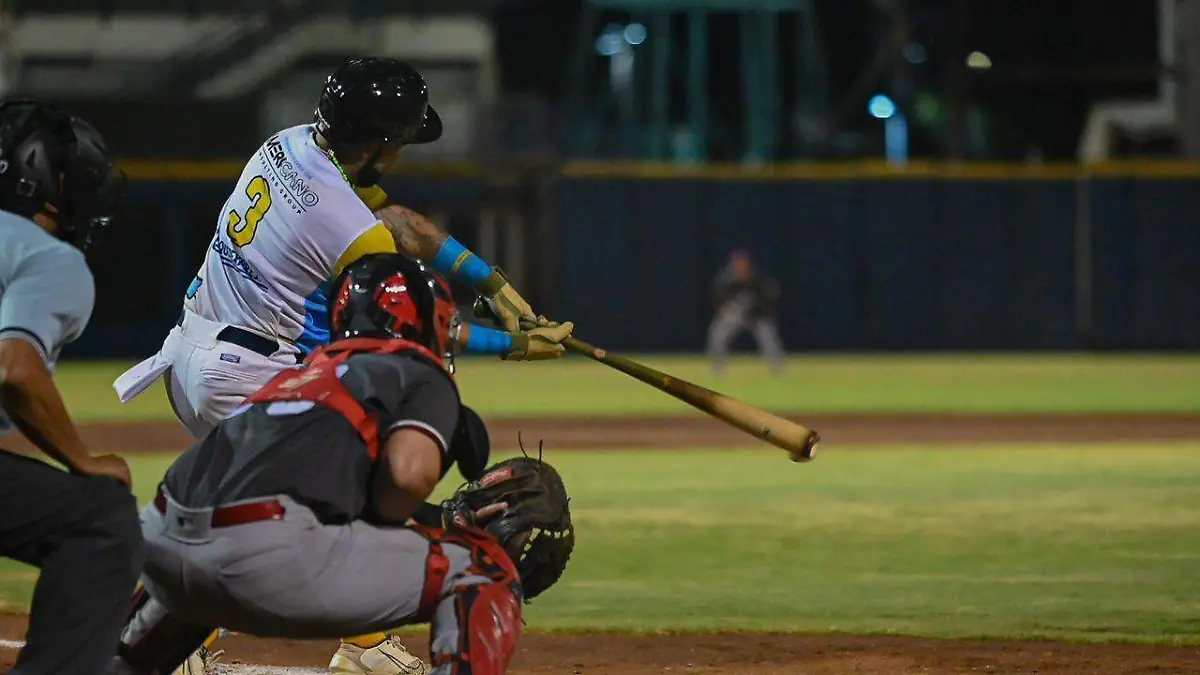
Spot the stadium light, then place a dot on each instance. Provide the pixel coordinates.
(612, 41)
(914, 52)
(979, 61)
(881, 107)
(635, 34)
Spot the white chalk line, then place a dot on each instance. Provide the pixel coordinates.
(220, 668)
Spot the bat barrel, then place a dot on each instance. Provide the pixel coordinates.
(800, 443)
(804, 450)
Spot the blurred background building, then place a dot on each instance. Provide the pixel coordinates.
(753, 80)
(588, 138)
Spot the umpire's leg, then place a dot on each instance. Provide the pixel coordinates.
(84, 535)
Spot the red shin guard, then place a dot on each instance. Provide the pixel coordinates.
(487, 609)
(489, 627)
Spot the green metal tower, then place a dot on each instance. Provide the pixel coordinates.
(649, 56)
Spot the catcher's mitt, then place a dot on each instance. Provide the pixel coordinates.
(535, 529)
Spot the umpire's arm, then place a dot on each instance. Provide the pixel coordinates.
(45, 306)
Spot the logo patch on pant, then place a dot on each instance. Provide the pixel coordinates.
(231, 358)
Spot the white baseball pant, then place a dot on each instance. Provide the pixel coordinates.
(207, 378)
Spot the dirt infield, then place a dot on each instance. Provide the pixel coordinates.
(744, 654)
(693, 431)
(751, 654)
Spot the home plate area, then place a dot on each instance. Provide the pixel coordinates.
(735, 654)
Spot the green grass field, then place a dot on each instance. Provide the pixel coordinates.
(962, 383)
(1065, 542)
(1059, 541)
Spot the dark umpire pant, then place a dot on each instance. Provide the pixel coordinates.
(85, 536)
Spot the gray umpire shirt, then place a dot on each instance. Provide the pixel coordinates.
(46, 289)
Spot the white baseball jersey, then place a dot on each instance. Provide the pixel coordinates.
(278, 240)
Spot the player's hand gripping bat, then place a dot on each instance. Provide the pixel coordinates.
(799, 442)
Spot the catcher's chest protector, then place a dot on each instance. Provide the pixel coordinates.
(319, 381)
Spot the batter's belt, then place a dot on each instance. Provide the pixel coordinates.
(244, 338)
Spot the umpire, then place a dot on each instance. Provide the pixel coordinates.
(58, 187)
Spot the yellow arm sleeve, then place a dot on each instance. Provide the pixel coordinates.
(374, 197)
(375, 240)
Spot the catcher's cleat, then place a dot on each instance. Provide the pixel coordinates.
(389, 657)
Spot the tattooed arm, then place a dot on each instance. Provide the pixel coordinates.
(415, 234)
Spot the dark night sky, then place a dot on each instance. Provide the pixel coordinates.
(1050, 56)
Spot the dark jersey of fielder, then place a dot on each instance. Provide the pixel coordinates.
(753, 297)
(311, 453)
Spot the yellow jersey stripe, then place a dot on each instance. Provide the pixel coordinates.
(375, 240)
(374, 197)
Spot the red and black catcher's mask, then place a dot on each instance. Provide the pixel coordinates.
(389, 295)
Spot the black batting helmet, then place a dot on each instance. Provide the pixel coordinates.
(389, 295)
(49, 158)
(373, 99)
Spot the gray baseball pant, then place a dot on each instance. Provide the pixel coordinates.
(726, 326)
(299, 578)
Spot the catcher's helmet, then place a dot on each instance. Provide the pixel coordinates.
(389, 295)
(368, 100)
(48, 157)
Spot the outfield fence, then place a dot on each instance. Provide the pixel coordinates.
(929, 257)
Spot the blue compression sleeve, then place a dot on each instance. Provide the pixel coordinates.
(484, 340)
(456, 262)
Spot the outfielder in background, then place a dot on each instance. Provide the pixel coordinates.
(80, 526)
(306, 206)
(745, 299)
(292, 519)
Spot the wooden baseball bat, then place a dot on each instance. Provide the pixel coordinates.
(799, 442)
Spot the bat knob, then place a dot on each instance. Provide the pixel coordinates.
(807, 450)
(481, 310)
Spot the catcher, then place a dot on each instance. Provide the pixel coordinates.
(303, 514)
(306, 206)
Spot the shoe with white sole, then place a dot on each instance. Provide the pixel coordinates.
(386, 658)
(201, 662)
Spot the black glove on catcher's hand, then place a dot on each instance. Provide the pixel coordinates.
(535, 528)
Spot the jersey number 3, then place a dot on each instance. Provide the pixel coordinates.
(241, 232)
